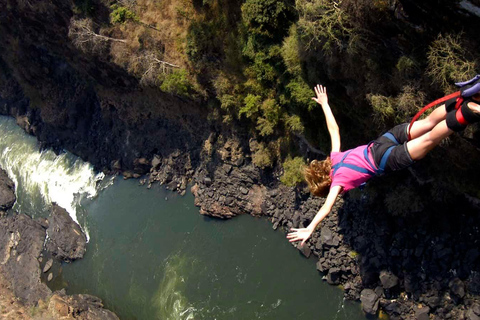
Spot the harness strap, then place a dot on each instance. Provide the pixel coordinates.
(341, 164)
(383, 161)
(385, 156)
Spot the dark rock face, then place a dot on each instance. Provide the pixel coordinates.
(66, 241)
(7, 191)
(21, 240)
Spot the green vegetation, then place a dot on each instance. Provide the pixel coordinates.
(293, 171)
(121, 14)
(262, 156)
(448, 61)
(176, 83)
(255, 63)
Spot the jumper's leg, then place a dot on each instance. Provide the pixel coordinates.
(420, 146)
(421, 127)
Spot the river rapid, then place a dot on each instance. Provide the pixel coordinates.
(151, 255)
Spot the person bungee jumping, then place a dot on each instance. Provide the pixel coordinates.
(397, 149)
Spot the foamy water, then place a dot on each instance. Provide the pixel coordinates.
(46, 177)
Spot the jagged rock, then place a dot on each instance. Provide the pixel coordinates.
(471, 315)
(388, 279)
(333, 276)
(457, 287)
(7, 191)
(66, 241)
(207, 181)
(156, 161)
(476, 308)
(305, 250)
(370, 301)
(172, 185)
(21, 242)
(421, 312)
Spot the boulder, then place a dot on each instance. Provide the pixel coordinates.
(21, 242)
(471, 315)
(457, 287)
(7, 191)
(305, 250)
(421, 312)
(333, 276)
(388, 279)
(370, 301)
(65, 241)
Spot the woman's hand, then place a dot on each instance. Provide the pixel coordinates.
(321, 93)
(299, 234)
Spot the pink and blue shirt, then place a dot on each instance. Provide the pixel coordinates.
(351, 169)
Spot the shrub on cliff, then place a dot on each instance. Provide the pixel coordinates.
(448, 61)
(121, 14)
(292, 171)
(176, 83)
(268, 18)
(262, 156)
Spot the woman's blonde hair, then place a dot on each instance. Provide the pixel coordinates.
(317, 175)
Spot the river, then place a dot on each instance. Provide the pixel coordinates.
(151, 255)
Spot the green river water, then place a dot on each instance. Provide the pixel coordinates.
(151, 255)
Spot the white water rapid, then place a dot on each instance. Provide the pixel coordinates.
(42, 177)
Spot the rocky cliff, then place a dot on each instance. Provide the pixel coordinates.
(406, 243)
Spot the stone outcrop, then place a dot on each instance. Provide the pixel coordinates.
(7, 191)
(66, 241)
(21, 240)
(22, 293)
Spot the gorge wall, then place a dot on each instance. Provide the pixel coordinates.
(406, 243)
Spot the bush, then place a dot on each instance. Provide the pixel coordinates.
(301, 93)
(292, 171)
(291, 53)
(294, 124)
(261, 155)
(323, 24)
(251, 106)
(384, 112)
(448, 62)
(268, 18)
(121, 14)
(176, 82)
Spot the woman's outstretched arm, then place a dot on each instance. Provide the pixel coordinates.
(305, 233)
(322, 99)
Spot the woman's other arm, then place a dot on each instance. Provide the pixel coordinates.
(322, 99)
(305, 233)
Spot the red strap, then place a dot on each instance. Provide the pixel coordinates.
(459, 103)
(460, 118)
(428, 106)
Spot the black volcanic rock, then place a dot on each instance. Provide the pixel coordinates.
(66, 241)
(7, 191)
(21, 242)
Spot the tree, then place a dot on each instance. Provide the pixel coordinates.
(86, 39)
(150, 66)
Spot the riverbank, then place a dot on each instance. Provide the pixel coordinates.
(28, 255)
